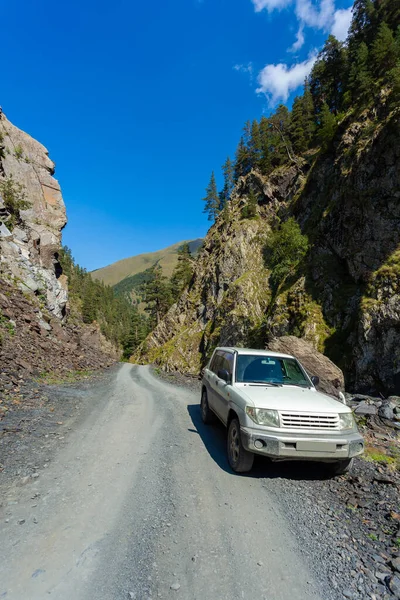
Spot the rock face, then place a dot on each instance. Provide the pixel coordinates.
(344, 299)
(29, 252)
(35, 336)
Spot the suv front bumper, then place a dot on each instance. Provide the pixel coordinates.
(302, 446)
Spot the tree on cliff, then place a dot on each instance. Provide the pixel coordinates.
(242, 160)
(328, 75)
(212, 201)
(327, 126)
(384, 50)
(360, 79)
(14, 198)
(225, 193)
(286, 247)
(183, 271)
(157, 295)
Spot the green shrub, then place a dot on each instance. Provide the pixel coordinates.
(249, 211)
(18, 151)
(286, 247)
(14, 198)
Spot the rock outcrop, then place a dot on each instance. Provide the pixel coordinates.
(35, 334)
(29, 249)
(344, 299)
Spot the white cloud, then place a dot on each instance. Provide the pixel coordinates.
(341, 23)
(299, 40)
(278, 81)
(270, 5)
(320, 17)
(317, 14)
(244, 68)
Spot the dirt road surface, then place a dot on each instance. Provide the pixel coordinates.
(140, 503)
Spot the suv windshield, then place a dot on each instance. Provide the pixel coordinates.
(269, 369)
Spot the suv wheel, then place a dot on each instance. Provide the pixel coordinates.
(341, 466)
(207, 415)
(239, 458)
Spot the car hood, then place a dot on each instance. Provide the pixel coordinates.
(291, 398)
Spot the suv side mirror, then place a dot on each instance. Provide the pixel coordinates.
(315, 380)
(223, 374)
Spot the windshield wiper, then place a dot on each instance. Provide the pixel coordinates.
(272, 383)
(296, 384)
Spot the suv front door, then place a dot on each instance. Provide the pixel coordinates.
(222, 388)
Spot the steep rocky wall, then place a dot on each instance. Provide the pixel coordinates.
(35, 335)
(344, 299)
(350, 208)
(229, 294)
(28, 252)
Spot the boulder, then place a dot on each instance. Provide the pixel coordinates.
(386, 411)
(4, 231)
(20, 234)
(331, 379)
(366, 409)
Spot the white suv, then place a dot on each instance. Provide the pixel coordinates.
(271, 407)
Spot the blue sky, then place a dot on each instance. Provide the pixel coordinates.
(138, 102)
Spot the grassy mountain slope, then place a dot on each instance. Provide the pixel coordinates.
(127, 267)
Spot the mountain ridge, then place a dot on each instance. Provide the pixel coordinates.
(133, 265)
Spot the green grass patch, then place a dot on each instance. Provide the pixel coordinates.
(52, 378)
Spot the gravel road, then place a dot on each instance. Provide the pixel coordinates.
(139, 503)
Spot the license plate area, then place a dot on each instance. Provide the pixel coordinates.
(316, 446)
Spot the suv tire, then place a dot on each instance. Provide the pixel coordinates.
(341, 466)
(239, 458)
(207, 416)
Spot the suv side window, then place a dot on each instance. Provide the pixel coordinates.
(216, 362)
(212, 362)
(228, 363)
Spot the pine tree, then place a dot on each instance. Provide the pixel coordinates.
(183, 271)
(328, 75)
(225, 194)
(250, 208)
(360, 80)
(361, 24)
(212, 200)
(91, 300)
(247, 134)
(384, 51)
(157, 296)
(327, 126)
(242, 160)
(255, 145)
(137, 331)
(308, 114)
(297, 133)
(265, 140)
(280, 146)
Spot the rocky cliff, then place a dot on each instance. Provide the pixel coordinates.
(34, 333)
(343, 299)
(29, 249)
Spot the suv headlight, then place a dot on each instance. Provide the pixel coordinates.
(263, 416)
(346, 421)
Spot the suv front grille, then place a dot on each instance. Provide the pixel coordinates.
(307, 421)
